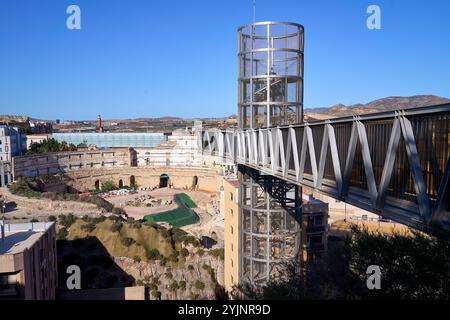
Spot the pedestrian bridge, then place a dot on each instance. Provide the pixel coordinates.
(395, 163)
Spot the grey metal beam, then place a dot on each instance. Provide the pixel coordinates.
(389, 162)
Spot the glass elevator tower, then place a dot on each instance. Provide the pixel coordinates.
(270, 93)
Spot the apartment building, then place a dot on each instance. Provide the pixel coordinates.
(12, 143)
(230, 209)
(28, 261)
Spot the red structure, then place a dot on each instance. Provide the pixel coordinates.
(99, 124)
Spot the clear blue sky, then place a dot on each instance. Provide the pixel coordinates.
(149, 58)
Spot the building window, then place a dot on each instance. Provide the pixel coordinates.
(231, 229)
(232, 247)
(231, 211)
(232, 263)
(231, 196)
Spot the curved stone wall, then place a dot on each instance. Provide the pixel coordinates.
(205, 179)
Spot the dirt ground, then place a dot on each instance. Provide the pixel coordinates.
(211, 221)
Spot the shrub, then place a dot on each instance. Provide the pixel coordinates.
(218, 253)
(165, 233)
(98, 201)
(190, 267)
(156, 294)
(108, 186)
(174, 286)
(184, 252)
(67, 220)
(136, 225)
(173, 257)
(51, 218)
(116, 227)
(137, 259)
(153, 254)
(163, 261)
(199, 285)
(183, 285)
(34, 220)
(89, 227)
(200, 252)
(168, 275)
(119, 211)
(62, 234)
(191, 240)
(127, 241)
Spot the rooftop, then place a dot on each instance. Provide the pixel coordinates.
(20, 236)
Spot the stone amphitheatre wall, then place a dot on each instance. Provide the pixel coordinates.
(205, 179)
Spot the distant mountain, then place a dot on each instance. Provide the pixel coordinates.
(384, 104)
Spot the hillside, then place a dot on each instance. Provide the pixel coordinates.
(379, 105)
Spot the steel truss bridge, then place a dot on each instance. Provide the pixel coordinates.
(395, 164)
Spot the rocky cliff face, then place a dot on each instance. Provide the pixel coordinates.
(384, 104)
(195, 279)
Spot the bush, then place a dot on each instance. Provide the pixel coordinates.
(200, 252)
(174, 286)
(190, 267)
(183, 285)
(25, 187)
(109, 186)
(165, 233)
(34, 220)
(168, 275)
(119, 211)
(174, 256)
(67, 220)
(62, 234)
(89, 227)
(116, 227)
(51, 218)
(199, 285)
(137, 259)
(127, 241)
(98, 201)
(153, 254)
(136, 225)
(184, 252)
(156, 294)
(218, 253)
(191, 240)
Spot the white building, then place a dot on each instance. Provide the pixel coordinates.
(182, 149)
(12, 143)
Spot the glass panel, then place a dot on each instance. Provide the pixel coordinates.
(260, 222)
(259, 197)
(278, 89)
(246, 219)
(259, 247)
(246, 266)
(259, 90)
(276, 116)
(276, 222)
(260, 63)
(291, 114)
(292, 91)
(259, 271)
(247, 244)
(276, 249)
(259, 117)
